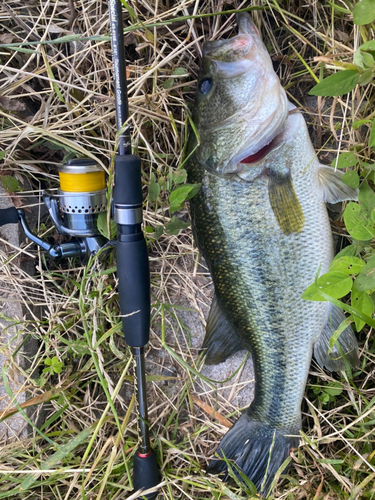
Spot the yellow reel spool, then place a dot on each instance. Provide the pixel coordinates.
(82, 182)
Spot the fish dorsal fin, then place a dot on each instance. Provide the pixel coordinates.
(334, 190)
(221, 340)
(284, 201)
(347, 340)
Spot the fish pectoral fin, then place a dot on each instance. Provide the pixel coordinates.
(334, 361)
(221, 340)
(284, 201)
(257, 449)
(334, 190)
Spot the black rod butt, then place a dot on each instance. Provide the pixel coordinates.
(145, 474)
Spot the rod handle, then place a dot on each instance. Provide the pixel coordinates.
(8, 216)
(146, 474)
(134, 289)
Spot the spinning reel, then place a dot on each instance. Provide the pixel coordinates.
(74, 210)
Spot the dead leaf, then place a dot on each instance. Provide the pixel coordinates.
(11, 104)
(210, 411)
(54, 28)
(7, 38)
(130, 39)
(37, 400)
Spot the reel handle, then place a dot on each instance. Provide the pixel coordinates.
(8, 216)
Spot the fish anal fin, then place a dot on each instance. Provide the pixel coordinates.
(347, 340)
(221, 340)
(334, 190)
(284, 201)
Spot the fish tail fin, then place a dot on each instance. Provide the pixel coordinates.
(257, 449)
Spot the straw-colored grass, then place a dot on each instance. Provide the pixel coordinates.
(57, 102)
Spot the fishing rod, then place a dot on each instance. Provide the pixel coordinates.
(132, 258)
(75, 209)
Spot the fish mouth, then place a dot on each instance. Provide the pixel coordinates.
(263, 152)
(255, 153)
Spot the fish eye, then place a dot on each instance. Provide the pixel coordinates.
(205, 85)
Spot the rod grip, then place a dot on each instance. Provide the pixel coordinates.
(8, 216)
(146, 474)
(134, 290)
(128, 183)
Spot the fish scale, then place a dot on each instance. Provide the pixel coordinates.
(264, 232)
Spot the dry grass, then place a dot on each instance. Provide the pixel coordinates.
(57, 101)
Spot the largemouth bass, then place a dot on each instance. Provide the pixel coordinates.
(261, 223)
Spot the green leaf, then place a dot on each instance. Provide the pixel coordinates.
(324, 398)
(173, 227)
(179, 176)
(364, 12)
(335, 284)
(362, 302)
(154, 232)
(181, 194)
(347, 265)
(158, 232)
(102, 224)
(194, 191)
(337, 84)
(345, 160)
(358, 123)
(371, 141)
(68, 38)
(351, 179)
(154, 189)
(56, 458)
(365, 77)
(180, 72)
(163, 183)
(370, 45)
(366, 279)
(336, 334)
(368, 60)
(366, 197)
(354, 312)
(358, 223)
(168, 84)
(358, 59)
(350, 251)
(57, 365)
(10, 184)
(2, 154)
(54, 365)
(333, 389)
